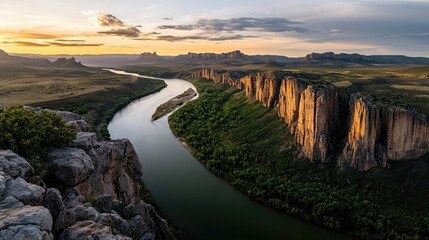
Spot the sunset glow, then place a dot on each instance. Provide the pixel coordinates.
(255, 27)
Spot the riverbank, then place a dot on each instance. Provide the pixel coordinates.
(99, 107)
(173, 103)
(251, 148)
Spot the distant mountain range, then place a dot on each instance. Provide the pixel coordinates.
(10, 62)
(234, 57)
(363, 59)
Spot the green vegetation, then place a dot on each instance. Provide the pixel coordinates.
(30, 134)
(93, 201)
(250, 147)
(173, 103)
(100, 106)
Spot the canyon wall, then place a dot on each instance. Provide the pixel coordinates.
(379, 132)
(371, 133)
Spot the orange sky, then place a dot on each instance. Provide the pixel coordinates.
(289, 27)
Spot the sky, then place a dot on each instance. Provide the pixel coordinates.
(283, 27)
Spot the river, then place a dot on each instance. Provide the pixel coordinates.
(193, 198)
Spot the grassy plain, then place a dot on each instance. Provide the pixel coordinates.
(94, 93)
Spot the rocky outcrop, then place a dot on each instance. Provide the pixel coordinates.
(378, 133)
(148, 57)
(308, 109)
(71, 165)
(264, 87)
(330, 56)
(26, 222)
(13, 165)
(231, 78)
(289, 99)
(117, 171)
(373, 133)
(212, 56)
(317, 120)
(94, 192)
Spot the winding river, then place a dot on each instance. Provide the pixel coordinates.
(193, 198)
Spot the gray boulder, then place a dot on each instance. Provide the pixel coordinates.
(70, 165)
(139, 229)
(27, 193)
(117, 172)
(67, 116)
(81, 126)
(10, 202)
(115, 221)
(19, 220)
(85, 140)
(81, 212)
(54, 202)
(13, 165)
(90, 230)
(105, 201)
(25, 232)
(2, 182)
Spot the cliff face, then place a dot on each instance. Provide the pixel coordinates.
(337, 57)
(378, 133)
(374, 132)
(226, 77)
(306, 108)
(289, 99)
(148, 57)
(213, 56)
(363, 147)
(317, 114)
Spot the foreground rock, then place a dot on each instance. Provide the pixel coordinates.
(26, 222)
(94, 193)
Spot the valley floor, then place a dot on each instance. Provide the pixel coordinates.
(250, 147)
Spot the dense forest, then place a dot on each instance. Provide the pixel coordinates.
(250, 147)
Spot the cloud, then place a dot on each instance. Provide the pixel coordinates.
(117, 26)
(108, 20)
(30, 34)
(61, 44)
(129, 32)
(167, 19)
(26, 44)
(69, 40)
(240, 24)
(54, 43)
(171, 38)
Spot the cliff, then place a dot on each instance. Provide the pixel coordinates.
(148, 57)
(321, 120)
(378, 133)
(91, 191)
(212, 56)
(67, 63)
(330, 56)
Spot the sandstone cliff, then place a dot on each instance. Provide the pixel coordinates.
(378, 133)
(321, 120)
(92, 191)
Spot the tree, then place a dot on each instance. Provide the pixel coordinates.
(30, 134)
